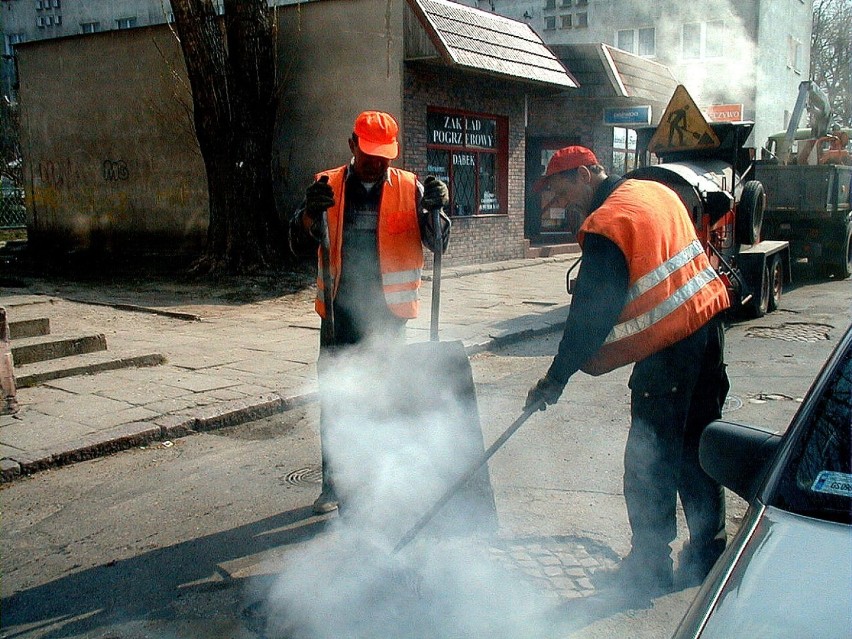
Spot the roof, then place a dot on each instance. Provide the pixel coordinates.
(606, 72)
(488, 43)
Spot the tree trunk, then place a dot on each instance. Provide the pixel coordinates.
(231, 68)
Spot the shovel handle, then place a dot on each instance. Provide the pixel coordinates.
(327, 332)
(436, 271)
(470, 472)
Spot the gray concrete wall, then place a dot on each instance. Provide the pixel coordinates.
(337, 58)
(110, 155)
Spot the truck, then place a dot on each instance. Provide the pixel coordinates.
(710, 170)
(807, 175)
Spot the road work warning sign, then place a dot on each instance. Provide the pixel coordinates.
(682, 127)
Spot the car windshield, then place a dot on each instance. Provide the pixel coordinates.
(817, 480)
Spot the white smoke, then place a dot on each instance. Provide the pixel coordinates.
(402, 436)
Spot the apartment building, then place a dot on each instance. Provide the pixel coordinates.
(735, 57)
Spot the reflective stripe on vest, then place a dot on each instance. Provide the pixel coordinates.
(673, 288)
(399, 246)
(658, 313)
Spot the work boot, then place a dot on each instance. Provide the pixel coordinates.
(638, 578)
(326, 502)
(694, 565)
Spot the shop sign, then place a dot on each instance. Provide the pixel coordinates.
(623, 116)
(461, 131)
(724, 112)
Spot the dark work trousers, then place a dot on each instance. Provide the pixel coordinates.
(674, 395)
(347, 332)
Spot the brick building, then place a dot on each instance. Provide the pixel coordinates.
(481, 101)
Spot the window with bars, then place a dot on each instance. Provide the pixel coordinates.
(468, 152)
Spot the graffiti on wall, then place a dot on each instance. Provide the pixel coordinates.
(115, 170)
(58, 173)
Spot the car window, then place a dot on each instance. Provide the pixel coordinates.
(817, 481)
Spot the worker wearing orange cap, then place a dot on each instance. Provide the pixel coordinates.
(378, 220)
(646, 294)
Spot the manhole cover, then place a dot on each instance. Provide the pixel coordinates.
(792, 332)
(310, 476)
(732, 403)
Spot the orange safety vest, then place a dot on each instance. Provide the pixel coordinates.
(399, 244)
(673, 290)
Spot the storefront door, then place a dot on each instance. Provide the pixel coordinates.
(549, 226)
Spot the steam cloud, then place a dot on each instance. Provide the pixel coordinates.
(399, 442)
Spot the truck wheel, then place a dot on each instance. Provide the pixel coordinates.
(750, 213)
(841, 268)
(844, 266)
(758, 305)
(776, 283)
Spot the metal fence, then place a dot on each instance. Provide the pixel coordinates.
(13, 214)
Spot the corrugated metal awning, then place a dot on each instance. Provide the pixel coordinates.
(489, 43)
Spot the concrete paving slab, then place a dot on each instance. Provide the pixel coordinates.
(238, 361)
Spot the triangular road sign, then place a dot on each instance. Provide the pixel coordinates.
(682, 127)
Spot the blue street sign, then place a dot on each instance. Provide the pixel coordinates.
(620, 116)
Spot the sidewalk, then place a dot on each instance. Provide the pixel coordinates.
(230, 363)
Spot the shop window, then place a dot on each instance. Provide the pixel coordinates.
(623, 150)
(469, 153)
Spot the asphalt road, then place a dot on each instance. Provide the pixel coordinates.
(212, 535)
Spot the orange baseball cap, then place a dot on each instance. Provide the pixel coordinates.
(377, 133)
(570, 157)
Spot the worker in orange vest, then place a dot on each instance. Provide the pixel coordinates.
(379, 218)
(646, 293)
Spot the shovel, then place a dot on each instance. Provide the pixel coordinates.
(465, 477)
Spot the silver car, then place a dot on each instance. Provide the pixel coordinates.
(788, 571)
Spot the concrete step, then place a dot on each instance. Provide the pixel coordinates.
(47, 347)
(549, 250)
(36, 373)
(35, 327)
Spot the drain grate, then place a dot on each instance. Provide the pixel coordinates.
(310, 476)
(792, 332)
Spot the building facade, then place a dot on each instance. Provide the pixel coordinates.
(115, 166)
(745, 59)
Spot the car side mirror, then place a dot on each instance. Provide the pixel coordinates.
(736, 455)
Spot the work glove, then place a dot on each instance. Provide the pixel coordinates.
(318, 198)
(546, 391)
(435, 194)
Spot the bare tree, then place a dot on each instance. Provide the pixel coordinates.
(231, 67)
(831, 54)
